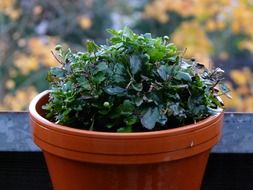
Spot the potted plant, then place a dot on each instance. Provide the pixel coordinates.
(132, 114)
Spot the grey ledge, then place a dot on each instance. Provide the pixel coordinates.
(237, 135)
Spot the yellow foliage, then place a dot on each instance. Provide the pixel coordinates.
(26, 63)
(13, 13)
(245, 104)
(247, 45)
(201, 9)
(196, 41)
(242, 18)
(239, 77)
(6, 4)
(39, 53)
(7, 7)
(212, 14)
(20, 100)
(157, 10)
(41, 48)
(243, 90)
(84, 22)
(242, 95)
(211, 25)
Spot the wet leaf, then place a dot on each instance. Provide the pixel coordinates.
(150, 118)
(135, 64)
(114, 90)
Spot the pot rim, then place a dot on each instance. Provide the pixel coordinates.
(34, 114)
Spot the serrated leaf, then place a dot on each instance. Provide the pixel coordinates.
(84, 83)
(162, 119)
(176, 110)
(183, 75)
(56, 71)
(155, 54)
(129, 121)
(138, 100)
(118, 73)
(137, 86)
(67, 86)
(135, 64)
(152, 97)
(99, 77)
(126, 129)
(150, 118)
(109, 126)
(91, 46)
(127, 32)
(126, 108)
(101, 66)
(112, 31)
(163, 72)
(114, 90)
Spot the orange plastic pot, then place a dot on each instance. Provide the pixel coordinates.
(173, 159)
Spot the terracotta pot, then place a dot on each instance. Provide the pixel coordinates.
(173, 159)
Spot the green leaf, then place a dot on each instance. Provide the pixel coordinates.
(127, 32)
(183, 76)
(129, 121)
(99, 77)
(150, 118)
(67, 86)
(118, 73)
(126, 108)
(91, 46)
(132, 79)
(112, 31)
(147, 35)
(114, 90)
(152, 97)
(176, 110)
(57, 72)
(126, 129)
(101, 67)
(155, 54)
(138, 101)
(135, 64)
(109, 126)
(137, 86)
(84, 83)
(58, 47)
(162, 119)
(164, 72)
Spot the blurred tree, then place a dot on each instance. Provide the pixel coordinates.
(213, 30)
(29, 30)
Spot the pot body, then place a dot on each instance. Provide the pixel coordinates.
(172, 159)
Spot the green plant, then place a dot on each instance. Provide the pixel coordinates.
(135, 83)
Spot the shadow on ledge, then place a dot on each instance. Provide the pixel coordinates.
(27, 171)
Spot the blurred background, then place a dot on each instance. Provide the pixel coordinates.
(215, 32)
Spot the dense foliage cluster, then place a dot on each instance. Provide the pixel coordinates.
(134, 83)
